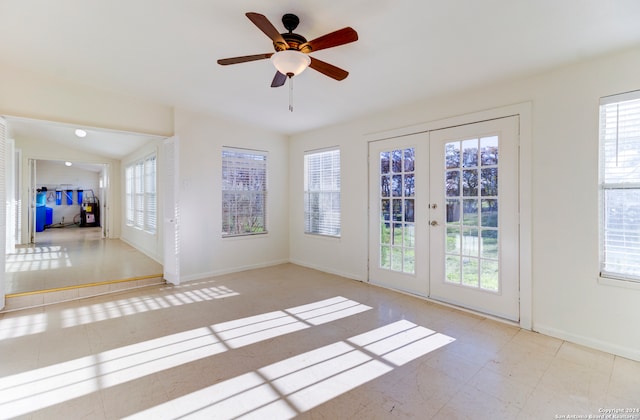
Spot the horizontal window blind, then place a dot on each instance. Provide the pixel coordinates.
(244, 192)
(128, 174)
(139, 194)
(141, 201)
(620, 186)
(322, 192)
(150, 201)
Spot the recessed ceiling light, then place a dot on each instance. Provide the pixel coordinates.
(67, 163)
(81, 133)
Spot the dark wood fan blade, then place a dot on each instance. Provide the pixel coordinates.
(333, 39)
(328, 69)
(278, 79)
(267, 27)
(243, 59)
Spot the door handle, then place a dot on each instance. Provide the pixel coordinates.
(434, 223)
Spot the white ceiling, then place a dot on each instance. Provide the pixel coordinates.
(166, 50)
(106, 143)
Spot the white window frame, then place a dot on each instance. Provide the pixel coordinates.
(322, 172)
(619, 140)
(244, 192)
(141, 203)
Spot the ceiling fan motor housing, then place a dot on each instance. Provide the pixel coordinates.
(294, 41)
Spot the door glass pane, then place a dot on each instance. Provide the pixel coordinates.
(385, 233)
(396, 161)
(384, 163)
(397, 210)
(409, 160)
(453, 183)
(471, 242)
(396, 258)
(470, 272)
(397, 234)
(489, 243)
(470, 182)
(453, 240)
(470, 212)
(452, 269)
(385, 209)
(409, 185)
(396, 185)
(385, 257)
(398, 182)
(385, 186)
(489, 150)
(489, 211)
(453, 211)
(452, 155)
(410, 236)
(489, 275)
(489, 182)
(409, 210)
(470, 153)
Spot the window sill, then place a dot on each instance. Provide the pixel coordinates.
(625, 284)
(246, 236)
(321, 236)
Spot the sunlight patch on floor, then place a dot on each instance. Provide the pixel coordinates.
(39, 388)
(300, 383)
(19, 326)
(37, 258)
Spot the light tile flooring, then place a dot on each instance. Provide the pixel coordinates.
(72, 256)
(288, 341)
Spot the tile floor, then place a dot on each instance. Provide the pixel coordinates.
(71, 256)
(288, 341)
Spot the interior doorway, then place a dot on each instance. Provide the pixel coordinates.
(67, 195)
(96, 250)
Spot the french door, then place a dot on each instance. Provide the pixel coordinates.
(398, 192)
(444, 215)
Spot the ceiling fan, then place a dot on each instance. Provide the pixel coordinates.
(291, 50)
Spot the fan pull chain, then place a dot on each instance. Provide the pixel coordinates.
(290, 94)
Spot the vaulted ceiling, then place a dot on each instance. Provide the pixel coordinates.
(166, 50)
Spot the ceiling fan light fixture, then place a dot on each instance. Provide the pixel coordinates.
(290, 62)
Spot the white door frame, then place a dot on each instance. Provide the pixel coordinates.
(524, 111)
(169, 170)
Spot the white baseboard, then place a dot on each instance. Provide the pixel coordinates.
(201, 276)
(627, 352)
(325, 270)
(146, 252)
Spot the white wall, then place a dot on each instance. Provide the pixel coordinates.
(203, 250)
(568, 300)
(40, 96)
(52, 175)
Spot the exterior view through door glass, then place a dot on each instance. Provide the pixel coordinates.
(474, 217)
(394, 210)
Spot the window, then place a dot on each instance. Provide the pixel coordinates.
(150, 194)
(129, 181)
(620, 186)
(244, 192)
(140, 194)
(322, 192)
